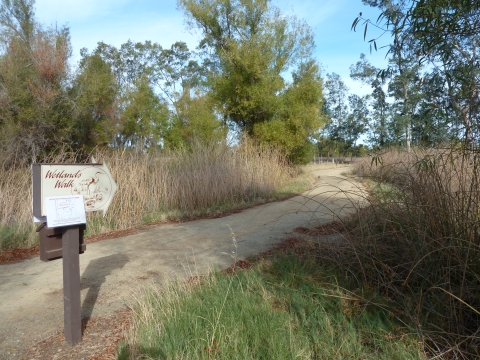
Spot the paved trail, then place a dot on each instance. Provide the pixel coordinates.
(31, 293)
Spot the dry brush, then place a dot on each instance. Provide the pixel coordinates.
(154, 186)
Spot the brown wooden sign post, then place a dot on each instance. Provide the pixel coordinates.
(71, 285)
(62, 193)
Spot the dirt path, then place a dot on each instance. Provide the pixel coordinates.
(31, 293)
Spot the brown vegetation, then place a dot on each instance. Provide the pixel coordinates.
(154, 186)
(418, 242)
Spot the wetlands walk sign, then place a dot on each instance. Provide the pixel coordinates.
(62, 193)
(93, 181)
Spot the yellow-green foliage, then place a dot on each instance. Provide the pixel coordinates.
(253, 46)
(298, 118)
(194, 122)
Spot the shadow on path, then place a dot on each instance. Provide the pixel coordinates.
(94, 276)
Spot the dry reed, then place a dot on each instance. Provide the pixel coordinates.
(419, 243)
(154, 186)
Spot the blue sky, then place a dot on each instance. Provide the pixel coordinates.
(116, 21)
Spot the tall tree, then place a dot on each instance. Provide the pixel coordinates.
(145, 117)
(253, 46)
(194, 122)
(35, 111)
(434, 123)
(94, 92)
(171, 71)
(403, 63)
(357, 121)
(336, 105)
(448, 34)
(348, 116)
(299, 116)
(380, 115)
(444, 34)
(404, 73)
(17, 18)
(337, 97)
(175, 79)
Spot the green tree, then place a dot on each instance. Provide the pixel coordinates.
(173, 72)
(253, 46)
(299, 116)
(380, 115)
(444, 34)
(356, 122)
(336, 104)
(434, 122)
(447, 34)
(94, 92)
(177, 74)
(17, 18)
(35, 111)
(174, 75)
(194, 122)
(348, 117)
(145, 117)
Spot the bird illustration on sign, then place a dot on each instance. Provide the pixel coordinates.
(90, 181)
(94, 188)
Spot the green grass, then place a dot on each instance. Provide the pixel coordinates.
(17, 236)
(295, 185)
(384, 191)
(284, 307)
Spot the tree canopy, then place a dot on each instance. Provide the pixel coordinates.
(253, 48)
(439, 40)
(253, 74)
(35, 111)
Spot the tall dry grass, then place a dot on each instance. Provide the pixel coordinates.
(418, 241)
(154, 186)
